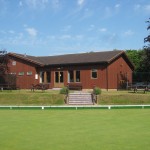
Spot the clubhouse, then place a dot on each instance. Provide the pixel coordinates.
(106, 70)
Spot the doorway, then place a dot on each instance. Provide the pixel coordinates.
(59, 79)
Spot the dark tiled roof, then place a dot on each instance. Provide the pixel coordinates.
(80, 58)
(92, 57)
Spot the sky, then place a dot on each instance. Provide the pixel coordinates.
(55, 27)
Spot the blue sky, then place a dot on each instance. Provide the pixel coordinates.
(53, 27)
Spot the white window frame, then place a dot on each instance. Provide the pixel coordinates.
(21, 73)
(29, 73)
(13, 63)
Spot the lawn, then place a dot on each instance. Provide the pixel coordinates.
(127, 129)
(124, 98)
(53, 97)
(26, 97)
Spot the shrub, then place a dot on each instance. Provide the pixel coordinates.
(64, 90)
(97, 91)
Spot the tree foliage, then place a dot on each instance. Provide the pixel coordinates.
(136, 57)
(141, 58)
(147, 39)
(4, 60)
(146, 57)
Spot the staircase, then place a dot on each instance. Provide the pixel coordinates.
(80, 99)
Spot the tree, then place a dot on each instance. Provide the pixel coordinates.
(147, 39)
(5, 77)
(136, 58)
(146, 57)
(4, 60)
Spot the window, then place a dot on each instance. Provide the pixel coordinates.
(74, 76)
(71, 76)
(29, 73)
(77, 76)
(13, 63)
(45, 77)
(94, 73)
(13, 73)
(48, 76)
(41, 77)
(21, 73)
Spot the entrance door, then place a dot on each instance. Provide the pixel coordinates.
(59, 79)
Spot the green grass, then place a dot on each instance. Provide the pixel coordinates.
(51, 97)
(124, 98)
(127, 129)
(26, 97)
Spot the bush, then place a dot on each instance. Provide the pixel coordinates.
(97, 91)
(64, 90)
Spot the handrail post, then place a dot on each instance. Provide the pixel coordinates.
(66, 95)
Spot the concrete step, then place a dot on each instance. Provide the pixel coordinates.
(80, 99)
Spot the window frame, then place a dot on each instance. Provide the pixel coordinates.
(74, 80)
(29, 73)
(21, 73)
(92, 75)
(14, 63)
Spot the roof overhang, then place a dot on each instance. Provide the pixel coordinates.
(126, 59)
(25, 59)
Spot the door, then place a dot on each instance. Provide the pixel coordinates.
(59, 79)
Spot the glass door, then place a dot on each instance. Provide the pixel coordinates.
(59, 79)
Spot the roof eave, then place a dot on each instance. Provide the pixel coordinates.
(26, 59)
(119, 54)
(113, 58)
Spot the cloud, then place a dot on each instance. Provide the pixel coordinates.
(80, 2)
(11, 31)
(79, 12)
(79, 37)
(66, 28)
(147, 8)
(55, 4)
(2, 32)
(64, 37)
(111, 11)
(113, 38)
(108, 11)
(117, 6)
(12, 39)
(87, 13)
(51, 37)
(128, 33)
(137, 7)
(91, 28)
(20, 3)
(31, 31)
(102, 29)
(142, 8)
(36, 4)
(7, 32)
